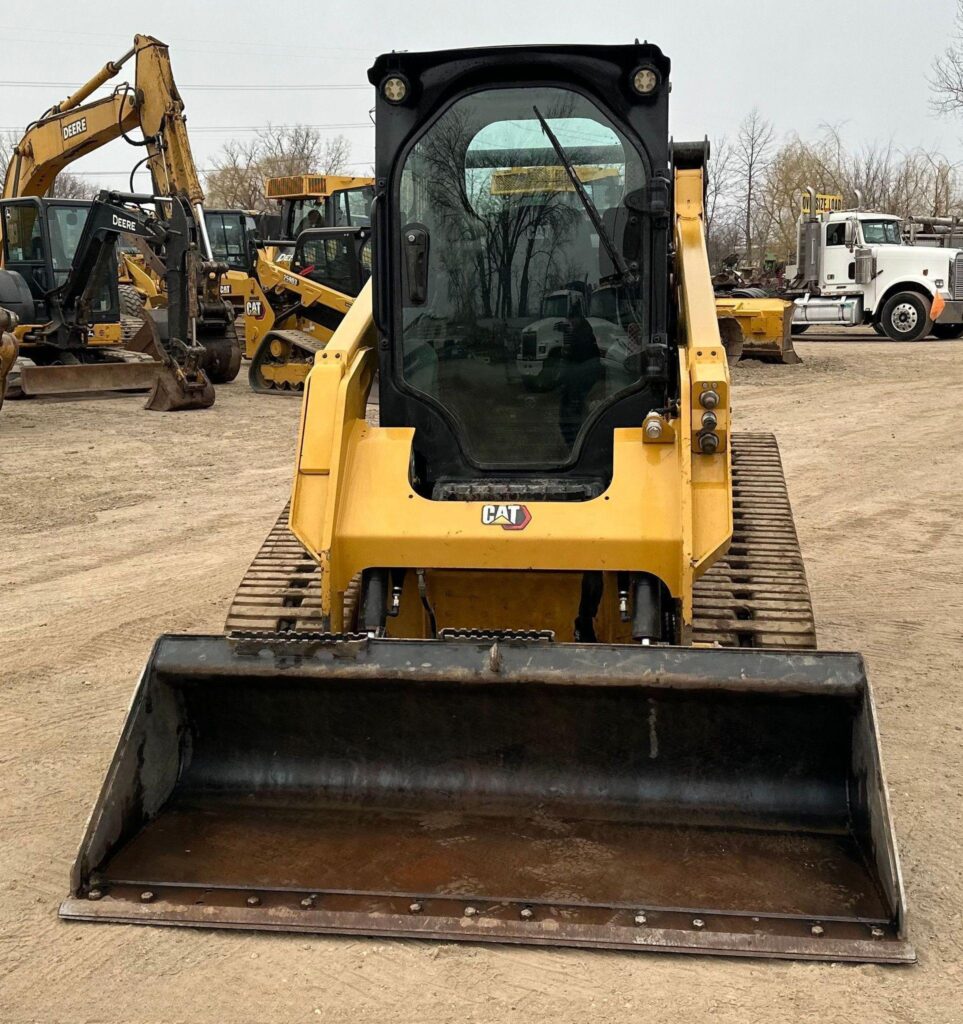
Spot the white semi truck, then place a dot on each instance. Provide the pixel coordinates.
(853, 268)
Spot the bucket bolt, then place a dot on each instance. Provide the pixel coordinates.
(817, 930)
(697, 922)
(471, 911)
(526, 913)
(254, 901)
(640, 918)
(146, 896)
(95, 894)
(308, 902)
(415, 908)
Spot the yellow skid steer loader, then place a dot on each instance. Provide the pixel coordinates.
(556, 683)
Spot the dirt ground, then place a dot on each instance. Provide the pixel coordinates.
(118, 525)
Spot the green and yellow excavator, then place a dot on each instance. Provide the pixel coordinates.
(41, 233)
(526, 666)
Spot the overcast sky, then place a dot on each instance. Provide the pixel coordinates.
(862, 65)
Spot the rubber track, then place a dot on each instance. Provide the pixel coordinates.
(756, 596)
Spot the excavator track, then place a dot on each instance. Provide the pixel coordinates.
(757, 596)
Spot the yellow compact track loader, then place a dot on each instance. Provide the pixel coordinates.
(546, 671)
(294, 306)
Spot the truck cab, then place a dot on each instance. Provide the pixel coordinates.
(540, 355)
(854, 267)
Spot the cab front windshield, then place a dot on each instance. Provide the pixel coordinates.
(881, 232)
(500, 327)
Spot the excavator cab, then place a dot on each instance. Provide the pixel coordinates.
(40, 239)
(499, 727)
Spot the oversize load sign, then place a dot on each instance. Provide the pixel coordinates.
(508, 517)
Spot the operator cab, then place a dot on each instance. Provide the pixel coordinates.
(522, 214)
(347, 207)
(337, 258)
(232, 233)
(40, 238)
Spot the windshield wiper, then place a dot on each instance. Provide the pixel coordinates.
(625, 276)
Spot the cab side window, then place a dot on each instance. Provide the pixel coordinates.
(836, 233)
(22, 237)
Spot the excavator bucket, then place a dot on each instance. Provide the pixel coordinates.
(175, 388)
(8, 349)
(505, 789)
(766, 326)
(173, 391)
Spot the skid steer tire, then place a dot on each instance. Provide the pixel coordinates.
(906, 317)
(799, 328)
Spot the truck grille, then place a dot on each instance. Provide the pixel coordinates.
(529, 343)
(956, 276)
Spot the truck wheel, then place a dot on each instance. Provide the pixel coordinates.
(906, 317)
(947, 332)
(799, 329)
(878, 328)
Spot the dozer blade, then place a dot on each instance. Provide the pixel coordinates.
(81, 378)
(514, 790)
(766, 326)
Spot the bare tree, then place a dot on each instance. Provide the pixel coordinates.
(946, 78)
(239, 170)
(751, 151)
(71, 186)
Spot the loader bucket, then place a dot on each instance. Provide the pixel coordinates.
(649, 798)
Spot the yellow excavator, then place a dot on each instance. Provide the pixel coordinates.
(549, 673)
(40, 234)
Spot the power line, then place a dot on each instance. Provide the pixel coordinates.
(273, 87)
(200, 170)
(229, 128)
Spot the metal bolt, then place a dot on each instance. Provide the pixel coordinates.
(877, 933)
(709, 399)
(708, 443)
(415, 908)
(254, 901)
(308, 902)
(653, 429)
(527, 913)
(471, 911)
(640, 918)
(95, 894)
(146, 896)
(697, 922)
(817, 930)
